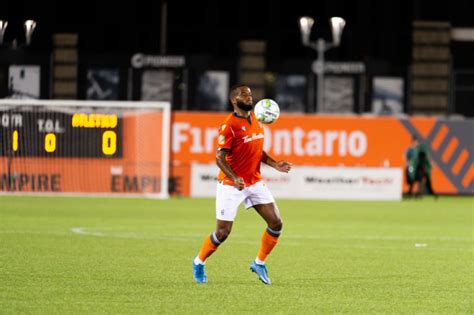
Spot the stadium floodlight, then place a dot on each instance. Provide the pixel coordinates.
(3, 27)
(306, 23)
(30, 26)
(337, 26)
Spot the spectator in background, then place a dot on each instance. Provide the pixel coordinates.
(424, 171)
(410, 168)
(418, 169)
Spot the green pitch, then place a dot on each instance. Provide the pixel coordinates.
(80, 255)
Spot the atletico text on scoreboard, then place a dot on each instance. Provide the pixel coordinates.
(59, 134)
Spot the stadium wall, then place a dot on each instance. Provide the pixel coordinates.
(308, 141)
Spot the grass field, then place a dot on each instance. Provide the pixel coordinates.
(81, 255)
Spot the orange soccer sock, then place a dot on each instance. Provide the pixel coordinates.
(209, 246)
(268, 241)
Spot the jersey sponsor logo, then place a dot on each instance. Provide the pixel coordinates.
(253, 137)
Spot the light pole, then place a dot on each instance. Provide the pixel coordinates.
(337, 25)
(163, 29)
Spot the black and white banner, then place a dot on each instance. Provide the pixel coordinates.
(335, 183)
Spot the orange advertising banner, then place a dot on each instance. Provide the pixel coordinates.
(347, 141)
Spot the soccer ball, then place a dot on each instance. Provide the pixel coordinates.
(267, 111)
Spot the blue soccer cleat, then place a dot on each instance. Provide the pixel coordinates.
(261, 271)
(199, 273)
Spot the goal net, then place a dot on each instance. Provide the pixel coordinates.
(84, 147)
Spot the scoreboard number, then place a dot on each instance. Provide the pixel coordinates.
(15, 141)
(109, 142)
(50, 142)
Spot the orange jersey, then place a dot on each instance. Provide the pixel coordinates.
(244, 142)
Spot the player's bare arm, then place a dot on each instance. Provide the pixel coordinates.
(282, 166)
(225, 167)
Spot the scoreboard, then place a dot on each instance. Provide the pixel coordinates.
(59, 134)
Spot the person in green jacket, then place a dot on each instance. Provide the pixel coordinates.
(410, 165)
(419, 169)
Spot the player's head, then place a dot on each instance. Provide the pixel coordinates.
(241, 96)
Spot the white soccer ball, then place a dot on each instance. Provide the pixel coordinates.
(267, 111)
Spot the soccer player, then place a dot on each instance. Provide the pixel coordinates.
(239, 154)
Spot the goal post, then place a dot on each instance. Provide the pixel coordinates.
(101, 148)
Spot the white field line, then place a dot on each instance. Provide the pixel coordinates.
(134, 235)
(384, 238)
(87, 231)
(289, 240)
(293, 238)
(35, 233)
(79, 230)
(411, 247)
(102, 233)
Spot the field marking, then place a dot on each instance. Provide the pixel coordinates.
(383, 238)
(414, 247)
(134, 235)
(291, 238)
(79, 230)
(35, 232)
(235, 238)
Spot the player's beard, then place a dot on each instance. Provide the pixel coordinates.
(244, 106)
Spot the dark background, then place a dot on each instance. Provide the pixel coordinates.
(374, 29)
(208, 32)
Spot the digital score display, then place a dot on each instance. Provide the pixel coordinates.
(44, 134)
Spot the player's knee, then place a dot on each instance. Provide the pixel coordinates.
(222, 234)
(276, 225)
